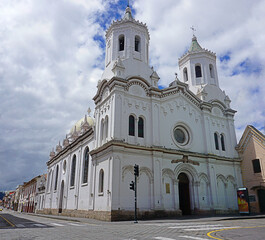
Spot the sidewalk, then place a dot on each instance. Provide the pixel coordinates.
(190, 218)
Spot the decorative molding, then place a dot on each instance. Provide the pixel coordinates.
(188, 169)
(168, 172)
(185, 159)
(148, 172)
(126, 169)
(203, 176)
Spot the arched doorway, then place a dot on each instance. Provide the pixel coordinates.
(184, 194)
(61, 198)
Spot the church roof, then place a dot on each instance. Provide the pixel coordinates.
(78, 124)
(128, 14)
(195, 46)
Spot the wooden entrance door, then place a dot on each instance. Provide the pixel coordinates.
(261, 196)
(184, 194)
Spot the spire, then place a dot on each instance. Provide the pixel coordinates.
(128, 13)
(195, 46)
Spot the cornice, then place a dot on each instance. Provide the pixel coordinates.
(188, 54)
(109, 146)
(121, 22)
(177, 87)
(30, 182)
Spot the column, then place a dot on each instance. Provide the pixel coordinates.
(176, 193)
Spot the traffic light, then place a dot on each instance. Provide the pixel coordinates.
(136, 170)
(132, 185)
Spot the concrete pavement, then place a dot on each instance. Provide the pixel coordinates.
(189, 218)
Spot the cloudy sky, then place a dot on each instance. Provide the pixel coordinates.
(52, 54)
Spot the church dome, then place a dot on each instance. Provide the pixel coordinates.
(79, 123)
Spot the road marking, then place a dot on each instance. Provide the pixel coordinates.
(162, 238)
(20, 225)
(39, 225)
(57, 224)
(75, 224)
(10, 223)
(170, 224)
(196, 238)
(206, 228)
(197, 226)
(231, 228)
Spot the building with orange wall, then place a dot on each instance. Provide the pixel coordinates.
(251, 149)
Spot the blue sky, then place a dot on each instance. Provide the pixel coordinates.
(52, 56)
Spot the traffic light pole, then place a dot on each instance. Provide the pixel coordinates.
(133, 186)
(135, 199)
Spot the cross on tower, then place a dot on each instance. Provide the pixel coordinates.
(193, 29)
(128, 5)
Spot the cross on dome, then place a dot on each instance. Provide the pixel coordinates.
(89, 111)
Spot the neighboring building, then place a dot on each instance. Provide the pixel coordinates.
(251, 149)
(27, 199)
(17, 196)
(182, 137)
(40, 192)
(21, 200)
(8, 200)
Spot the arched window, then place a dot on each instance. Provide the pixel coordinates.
(102, 130)
(223, 142)
(72, 182)
(140, 127)
(137, 44)
(131, 126)
(216, 141)
(49, 181)
(101, 181)
(56, 177)
(121, 43)
(106, 126)
(211, 71)
(185, 74)
(198, 71)
(85, 165)
(64, 166)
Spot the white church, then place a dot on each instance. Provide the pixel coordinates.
(182, 137)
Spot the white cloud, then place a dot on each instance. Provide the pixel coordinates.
(234, 27)
(47, 77)
(50, 64)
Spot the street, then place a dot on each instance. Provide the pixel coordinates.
(15, 225)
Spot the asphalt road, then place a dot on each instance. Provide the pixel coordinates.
(21, 226)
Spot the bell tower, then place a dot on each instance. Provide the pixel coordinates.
(198, 69)
(127, 46)
(198, 66)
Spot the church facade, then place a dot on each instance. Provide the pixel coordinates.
(182, 137)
